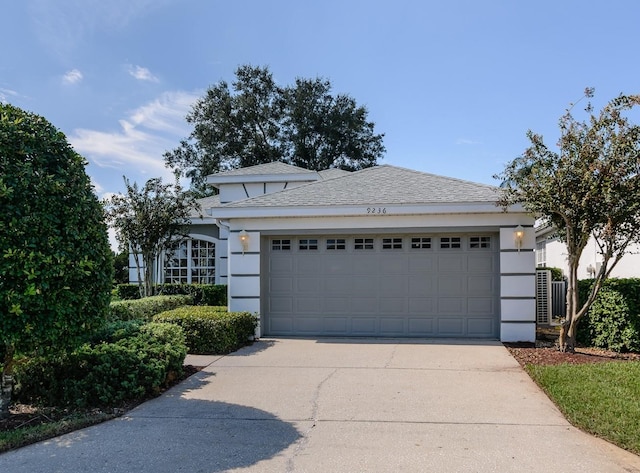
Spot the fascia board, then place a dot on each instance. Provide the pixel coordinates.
(381, 210)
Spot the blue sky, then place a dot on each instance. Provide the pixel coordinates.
(454, 85)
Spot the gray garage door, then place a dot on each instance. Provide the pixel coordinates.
(440, 285)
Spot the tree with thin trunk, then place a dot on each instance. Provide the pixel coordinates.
(150, 221)
(588, 188)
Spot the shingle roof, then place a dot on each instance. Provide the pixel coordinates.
(205, 204)
(275, 167)
(377, 185)
(333, 173)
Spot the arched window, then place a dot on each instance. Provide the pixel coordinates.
(193, 261)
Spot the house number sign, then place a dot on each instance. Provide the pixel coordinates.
(376, 210)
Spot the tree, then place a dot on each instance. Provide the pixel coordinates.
(55, 260)
(150, 221)
(121, 267)
(590, 187)
(256, 121)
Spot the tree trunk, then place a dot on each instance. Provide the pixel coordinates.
(567, 339)
(6, 383)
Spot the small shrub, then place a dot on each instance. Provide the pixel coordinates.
(610, 324)
(134, 361)
(211, 330)
(556, 273)
(203, 294)
(147, 307)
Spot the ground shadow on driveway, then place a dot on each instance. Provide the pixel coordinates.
(168, 434)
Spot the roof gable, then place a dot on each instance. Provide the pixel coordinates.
(389, 185)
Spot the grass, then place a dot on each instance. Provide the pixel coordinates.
(49, 425)
(601, 398)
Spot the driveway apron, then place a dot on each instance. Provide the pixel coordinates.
(339, 405)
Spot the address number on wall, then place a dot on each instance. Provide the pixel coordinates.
(376, 210)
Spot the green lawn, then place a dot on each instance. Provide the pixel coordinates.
(602, 398)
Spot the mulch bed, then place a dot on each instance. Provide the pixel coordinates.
(546, 353)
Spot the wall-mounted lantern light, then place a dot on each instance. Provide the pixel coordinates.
(244, 240)
(518, 236)
(591, 270)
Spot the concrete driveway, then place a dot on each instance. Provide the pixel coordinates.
(339, 405)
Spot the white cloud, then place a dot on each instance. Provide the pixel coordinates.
(142, 73)
(142, 138)
(465, 141)
(4, 93)
(72, 77)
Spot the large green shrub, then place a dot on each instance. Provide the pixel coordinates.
(613, 321)
(212, 330)
(134, 362)
(55, 259)
(203, 294)
(146, 308)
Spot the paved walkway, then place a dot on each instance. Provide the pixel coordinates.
(291, 405)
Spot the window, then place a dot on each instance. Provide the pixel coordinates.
(392, 243)
(479, 242)
(420, 243)
(449, 242)
(363, 244)
(280, 245)
(193, 261)
(541, 253)
(308, 244)
(336, 244)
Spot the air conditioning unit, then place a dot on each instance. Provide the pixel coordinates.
(543, 297)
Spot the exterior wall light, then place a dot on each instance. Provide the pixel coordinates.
(244, 240)
(591, 270)
(518, 236)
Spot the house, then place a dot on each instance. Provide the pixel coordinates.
(381, 252)
(551, 252)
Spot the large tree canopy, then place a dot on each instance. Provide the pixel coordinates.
(55, 259)
(149, 221)
(256, 121)
(588, 188)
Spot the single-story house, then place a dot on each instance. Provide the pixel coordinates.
(552, 253)
(381, 252)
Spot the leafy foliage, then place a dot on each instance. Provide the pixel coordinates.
(150, 220)
(613, 320)
(121, 267)
(55, 260)
(147, 307)
(256, 121)
(212, 330)
(136, 361)
(590, 187)
(202, 294)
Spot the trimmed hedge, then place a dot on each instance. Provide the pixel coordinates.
(613, 321)
(135, 361)
(146, 308)
(212, 330)
(203, 294)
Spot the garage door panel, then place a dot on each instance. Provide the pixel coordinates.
(308, 305)
(278, 285)
(452, 305)
(338, 285)
(418, 288)
(337, 305)
(421, 305)
(481, 306)
(282, 305)
(481, 327)
(364, 326)
(392, 305)
(421, 327)
(281, 265)
(390, 326)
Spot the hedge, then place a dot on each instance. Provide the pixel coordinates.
(146, 308)
(203, 294)
(135, 361)
(212, 330)
(613, 321)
